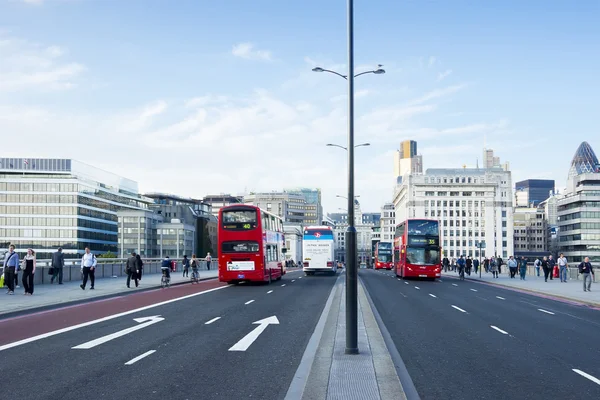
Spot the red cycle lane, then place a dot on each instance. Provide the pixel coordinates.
(18, 328)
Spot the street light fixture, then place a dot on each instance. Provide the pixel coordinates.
(345, 148)
(344, 197)
(377, 71)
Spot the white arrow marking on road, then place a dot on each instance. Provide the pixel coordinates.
(544, 311)
(585, 375)
(432, 295)
(138, 358)
(474, 290)
(501, 298)
(143, 322)
(212, 320)
(498, 329)
(459, 309)
(247, 340)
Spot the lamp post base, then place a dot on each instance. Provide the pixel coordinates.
(351, 293)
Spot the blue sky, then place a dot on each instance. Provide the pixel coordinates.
(198, 97)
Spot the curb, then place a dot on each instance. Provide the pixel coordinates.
(534, 291)
(57, 306)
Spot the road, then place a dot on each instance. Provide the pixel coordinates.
(468, 340)
(191, 330)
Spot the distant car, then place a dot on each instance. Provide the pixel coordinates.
(363, 265)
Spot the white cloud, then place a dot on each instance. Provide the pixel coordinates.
(247, 51)
(432, 61)
(437, 93)
(30, 66)
(444, 75)
(35, 2)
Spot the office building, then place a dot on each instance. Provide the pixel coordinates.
(313, 207)
(293, 242)
(530, 233)
(291, 207)
(217, 201)
(387, 222)
(491, 162)
(138, 233)
(49, 203)
(579, 208)
(532, 192)
(406, 159)
(471, 204)
(364, 234)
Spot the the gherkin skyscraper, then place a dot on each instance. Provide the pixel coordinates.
(584, 161)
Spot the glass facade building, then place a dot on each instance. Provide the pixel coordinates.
(51, 203)
(535, 190)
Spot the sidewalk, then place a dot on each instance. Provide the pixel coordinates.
(369, 375)
(572, 290)
(50, 295)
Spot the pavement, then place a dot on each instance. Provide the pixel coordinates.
(572, 289)
(49, 296)
(470, 340)
(208, 341)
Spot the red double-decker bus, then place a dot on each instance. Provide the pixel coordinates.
(251, 245)
(417, 252)
(383, 256)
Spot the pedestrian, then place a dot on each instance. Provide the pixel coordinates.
(494, 267)
(140, 265)
(469, 264)
(453, 264)
(131, 267)
(11, 265)
(563, 266)
(58, 262)
(446, 263)
(28, 267)
(208, 261)
(476, 265)
(512, 266)
(537, 264)
(546, 268)
(551, 265)
(523, 267)
(186, 266)
(194, 263)
(88, 269)
(586, 269)
(499, 261)
(486, 265)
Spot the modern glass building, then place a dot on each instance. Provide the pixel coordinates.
(51, 203)
(535, 190)
(313, 208)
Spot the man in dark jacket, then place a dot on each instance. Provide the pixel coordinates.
(586, 269)
(58, 262)
(551, 264)
(132, 269)
(469, 265)
(446, 264)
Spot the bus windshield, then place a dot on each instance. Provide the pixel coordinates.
(423, 227)
(422, 256)
(239, 219)
(384, 257)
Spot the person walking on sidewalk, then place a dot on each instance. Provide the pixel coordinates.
(476, 265)
(523, 267)
(58, 262)
(469, 265)
(494, 267)
(186, 266)
(88, 268)
(208, 261)
(132, 269)
(512, 266)
(446, 264)
(546, 268)
(28, 272)
(551, 265)
(586, 269)
(486, 265)
(537, 263)
(499, 261)
(11, 265)
(140, 265)
(563, 265)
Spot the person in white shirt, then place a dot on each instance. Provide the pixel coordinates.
(88, 268)
(563, 265)
(208, 261)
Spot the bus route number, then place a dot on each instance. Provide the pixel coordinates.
(431, 241)
(246, 226)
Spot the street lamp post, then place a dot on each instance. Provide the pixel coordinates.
(480, 245)
(351, 245)
(345, 148)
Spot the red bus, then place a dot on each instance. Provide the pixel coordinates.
(417, 252)
(251, 245)
(383, 256)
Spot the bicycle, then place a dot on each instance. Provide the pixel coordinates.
(195, 276)
(461, 273)
(166, 279)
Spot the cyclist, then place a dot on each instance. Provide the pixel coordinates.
(195, 265)
(166, 268)
(461, 263)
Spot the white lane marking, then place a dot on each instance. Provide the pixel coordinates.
(138, 358)
(432, 295)
(270, 291)
(459, 309)
(501, 298)
(300, 277)
(248, 302)
(283, 285)
(454, 284)
(416, 287)
(474, 290)
(547, 312)
(143, 322)
(586, 375)
(440, 280)
(212, 320)
(406, 283)
(293, 280)
(498, 329)
(247, 340)
(97, 321)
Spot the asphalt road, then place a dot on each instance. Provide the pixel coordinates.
(191, 359)
(467, 340)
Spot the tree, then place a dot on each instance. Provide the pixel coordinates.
(108, 254)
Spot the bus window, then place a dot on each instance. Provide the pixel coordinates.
(239, 247)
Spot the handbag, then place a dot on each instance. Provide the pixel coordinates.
(2, 280)
(51, 271)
